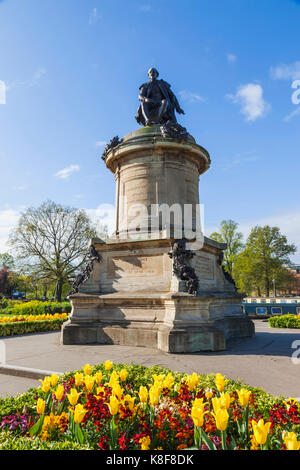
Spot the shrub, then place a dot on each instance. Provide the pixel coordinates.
(25, 327)
(36, 307)
(9, 442)
(285, 321)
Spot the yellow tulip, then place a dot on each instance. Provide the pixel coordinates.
(73, 396)
(113, 405)
(154, 394)
(290, 440)
(108, 365)
(53, 380)
(244, 396)
(220, 382)
(225, 400)
(145, 443)
(87, 369)
(113, 379)
(46, 384)
(208, 394)
(192, 381)
(221, 417)
(78, 379)
(168, 381)
(79, 413)
(197, 414)
(117, 390)
(89, 382)
(59, 392)
(216, 403)
(129, 400)
(261, 430)
(98, 377)
(123, 375)
(143, 394)
(40, 406)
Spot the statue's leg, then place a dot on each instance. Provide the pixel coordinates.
(162, 109)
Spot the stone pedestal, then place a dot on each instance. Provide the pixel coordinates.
(134, 295)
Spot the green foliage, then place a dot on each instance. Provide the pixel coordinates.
(36, 307)
(228, 234)
(264, 258)
(285, 321)
(9, 442)
(25, 327)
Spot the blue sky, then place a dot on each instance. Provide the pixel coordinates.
(72, 69)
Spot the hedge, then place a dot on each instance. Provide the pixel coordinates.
(25, 327)
(285, 321)
(36, 307)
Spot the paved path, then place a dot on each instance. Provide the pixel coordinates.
(263, 361)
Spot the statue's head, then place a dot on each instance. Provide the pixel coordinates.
(153, 73)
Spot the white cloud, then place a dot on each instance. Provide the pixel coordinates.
(146, 8)
(191, 97)
(250, 99)
(286, 71)
(101, 143)
(95, 16)
(66, 172)
(8, 220)
(231, 58)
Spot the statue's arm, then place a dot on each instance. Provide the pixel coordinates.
(175, 102)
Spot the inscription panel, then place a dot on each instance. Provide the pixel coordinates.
(204, 268)
(135, 266)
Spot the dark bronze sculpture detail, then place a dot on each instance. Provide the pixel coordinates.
(227, 275)
(84, 276)
(115, 141)
(181, 269)
(158, 102)
(173, 130)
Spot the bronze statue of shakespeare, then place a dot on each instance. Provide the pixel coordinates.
(158, 102)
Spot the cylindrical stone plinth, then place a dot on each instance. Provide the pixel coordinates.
(156, 174)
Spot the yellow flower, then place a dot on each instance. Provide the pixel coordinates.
(113, 379)
(143, 394)
(197, 414)
(53, 380)
(192, 381)
(79, 413)
(208, 394)
(261, 430)
(154, 394)
(221, 417)
(98, 377)
(40, 406)
(216, 403)
(123, 375)
(78, 379)
(59, 392)
(108, 365)
(243, 396)
(113, 405)
(168, 381)
(145, 443)
(290, 440)
(220, 382)
(46, 384)
(130, 401)
(225, 400)
(73, 396)
(87, 369)
(89, 381)
(117, 390)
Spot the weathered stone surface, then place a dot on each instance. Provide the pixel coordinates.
(134, 296)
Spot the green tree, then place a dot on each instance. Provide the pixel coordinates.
(53, 241)
(229, 234)
(263, 260)
(7, 260)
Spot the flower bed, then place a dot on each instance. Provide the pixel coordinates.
(20, 324)
(34, 307)
(122, 407)
(285, 321)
